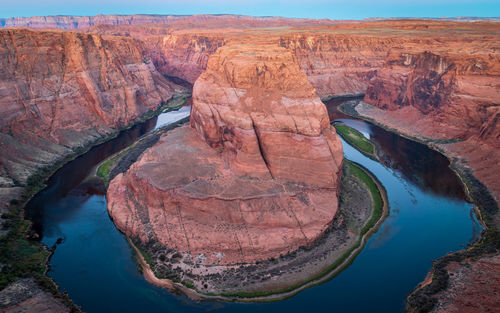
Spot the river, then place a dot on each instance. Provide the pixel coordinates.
(428, 218)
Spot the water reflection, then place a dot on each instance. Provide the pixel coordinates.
(418, 164)
(69, 178)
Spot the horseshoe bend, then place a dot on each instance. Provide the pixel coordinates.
(255, 175)
(246, 159)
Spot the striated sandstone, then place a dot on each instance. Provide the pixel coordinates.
(255, 104)
(60, 91)
(452, 99)
(183, 56)
(240, 184)
(338, 64)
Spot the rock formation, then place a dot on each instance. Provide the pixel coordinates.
(435, 80)
(183, 56)
(256, 104)
(338, 65)
(255, 176)
(447, 98)
(468, 284)
(60, 91)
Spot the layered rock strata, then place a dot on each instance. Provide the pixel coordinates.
(255, 176)
(255, 104)
(60, 91)
(450, 100)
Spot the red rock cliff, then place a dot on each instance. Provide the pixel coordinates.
(338, 64)
(256, 104)
(182, 21)
(60, 91)
(447, 97)
(181, 55)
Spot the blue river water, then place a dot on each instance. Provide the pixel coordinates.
(429, 217)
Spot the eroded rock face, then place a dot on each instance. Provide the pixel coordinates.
(60, 91)
(450, 98)
(338, 65)
(184, 21)
(183, 55)
(255, 176)
(255, 104)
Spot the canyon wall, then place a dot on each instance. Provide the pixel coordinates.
(449, 98)
(338, 65)
(60, 91)
(256, 175)
(183, 55)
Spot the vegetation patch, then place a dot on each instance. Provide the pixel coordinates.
(21, 256)
(356, 139)
(105, 168)
(423, 299)
(378, 202)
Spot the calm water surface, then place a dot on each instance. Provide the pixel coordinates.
(428, 218)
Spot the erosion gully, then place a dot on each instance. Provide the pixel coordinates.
(429, 217)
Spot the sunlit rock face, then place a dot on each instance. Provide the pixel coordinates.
(446, 96)
(255, 175)
(61, 91)
(255, 104)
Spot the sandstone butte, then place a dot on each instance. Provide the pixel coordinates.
(255, 175)
(435, 80)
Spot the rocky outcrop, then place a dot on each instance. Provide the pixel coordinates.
(451, 99)
(467, 286)
(255, 176)
(61, 91)
(25, 295)
(338, 65)
(255, 104)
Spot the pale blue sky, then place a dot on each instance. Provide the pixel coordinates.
(333, 9)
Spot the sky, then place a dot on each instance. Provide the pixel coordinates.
(332, 9)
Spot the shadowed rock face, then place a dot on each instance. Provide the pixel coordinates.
(244, 183)
(60, 91)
